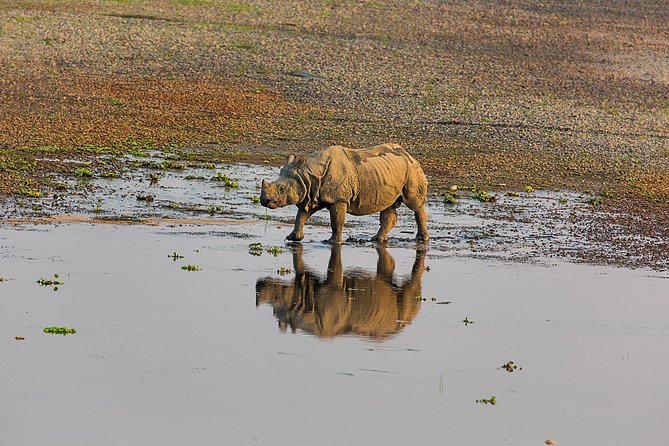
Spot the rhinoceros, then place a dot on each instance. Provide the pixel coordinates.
(357, 182)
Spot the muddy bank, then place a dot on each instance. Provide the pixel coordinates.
(527, 226)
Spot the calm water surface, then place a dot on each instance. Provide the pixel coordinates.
(338, 351)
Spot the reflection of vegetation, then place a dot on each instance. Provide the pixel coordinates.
(466, 321)
(283, 271)
(492, 400)
(364, 303)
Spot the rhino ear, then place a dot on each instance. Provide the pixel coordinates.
(264, 184)
(295, 161)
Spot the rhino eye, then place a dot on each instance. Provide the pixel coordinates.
(282, 189)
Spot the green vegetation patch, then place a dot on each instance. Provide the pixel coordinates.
(59, 330)
(511, 367)
(83, 173)
(255, 249)
(492, 400)
(451, 198)
(485, 196)
(191, 268)
(53, 282)
(226, 180)
(30, 193)
(274, 250)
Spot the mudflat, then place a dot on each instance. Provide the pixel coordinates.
(495, 95)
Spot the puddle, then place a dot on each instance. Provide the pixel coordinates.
(355, 344)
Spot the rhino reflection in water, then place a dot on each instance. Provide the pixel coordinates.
(345, 302)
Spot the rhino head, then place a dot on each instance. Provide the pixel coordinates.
(288, 189)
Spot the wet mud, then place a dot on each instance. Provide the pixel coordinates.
(516, 225)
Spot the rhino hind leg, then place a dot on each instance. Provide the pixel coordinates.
(422, 235)
(415, 197)
(388, 219)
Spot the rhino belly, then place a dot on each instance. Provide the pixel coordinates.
(381, 183)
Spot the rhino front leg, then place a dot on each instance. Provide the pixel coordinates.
(337, 219)
(300, 219)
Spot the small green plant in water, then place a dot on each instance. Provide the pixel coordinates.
(511, 194)
(226, 180)
(511, 367)
(529, 189)
(596, 201)
(214, 209)
(61, 186)
(29, 193)
(59, 330)
(274, 250)
(191, 268)
(166, 164)
(283, 271)
(2, 279)
(485, 196)
(83, 173)
(255, 249)
(255, 200)
(492, 400)
(466, 321)
(450, 198)
(51, 282)
(148, 198)
(174, 256)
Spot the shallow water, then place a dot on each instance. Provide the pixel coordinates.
(352, 345)
(237, 354)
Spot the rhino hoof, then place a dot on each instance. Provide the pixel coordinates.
(422, 238)
(379, 239)
(333, 241)
(294, 237)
